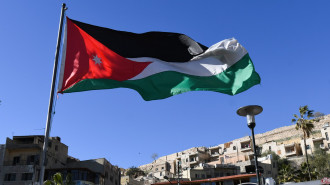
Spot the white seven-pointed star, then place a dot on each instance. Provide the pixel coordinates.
(97, 60)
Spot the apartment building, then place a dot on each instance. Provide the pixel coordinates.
(210, 171)
(20, 163)
(287, 142)
(91, 172)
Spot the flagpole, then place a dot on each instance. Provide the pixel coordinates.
(50, 107)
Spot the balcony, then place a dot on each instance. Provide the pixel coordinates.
(216, 154)
(20, 163)
(318, 139)
(290, 153)
(193, 162)
(19, 169)
(245, 147)
(23, 146)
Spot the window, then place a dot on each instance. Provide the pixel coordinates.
(308, 147)
(10, 177)
(196, 176)
(56, 147)
(161, 174)
(328, 145)
(274, 164)
(203, 176)
(234, 147)
(270, 147)
(26, 176)
(30, 159)
(156, 169)
(16, 160)
(162, 168)
(327, 136)
(49, 144)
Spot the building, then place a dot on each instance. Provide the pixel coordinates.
(2, 155)
(226, 180)
(127, 180)
(287, 142)
(91, 172)
(21, 163)
(210, 171)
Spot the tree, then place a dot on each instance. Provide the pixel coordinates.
(305, 124)
(321, 161)
(134, 172)
(154, 156)
(286, 174)
(57, 179)
(278, 160)
(302, 173)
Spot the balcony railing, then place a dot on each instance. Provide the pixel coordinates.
(290, 153)
(245, 148)
(21, 162)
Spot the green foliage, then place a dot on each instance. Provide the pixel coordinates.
(286, 174)
(57, 179)
(154, 156)
(274, 155)
(304, 122)
(134, 172)
(321, 161)
(302, 173)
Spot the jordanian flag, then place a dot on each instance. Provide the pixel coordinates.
(155, 64)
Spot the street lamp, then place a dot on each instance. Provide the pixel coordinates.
(250, 111)
(165, 177)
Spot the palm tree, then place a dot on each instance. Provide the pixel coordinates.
(58, 180)
(286, 174)
(305, 124)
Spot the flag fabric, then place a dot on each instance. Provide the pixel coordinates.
(155, 64)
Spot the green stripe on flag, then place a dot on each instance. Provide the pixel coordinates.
(236, 79)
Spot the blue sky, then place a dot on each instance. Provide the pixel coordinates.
(288, 42)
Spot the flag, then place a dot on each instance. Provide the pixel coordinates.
(155, 64)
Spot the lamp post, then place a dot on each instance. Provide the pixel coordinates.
(249, 112)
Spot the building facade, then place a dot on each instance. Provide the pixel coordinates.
(287, 142)
(20, 163)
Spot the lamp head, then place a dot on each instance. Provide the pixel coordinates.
(250, 111)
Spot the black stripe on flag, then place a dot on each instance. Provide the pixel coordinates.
(166, 46)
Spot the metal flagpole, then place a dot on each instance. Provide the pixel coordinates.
(50, 107)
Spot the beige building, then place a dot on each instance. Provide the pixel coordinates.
(209, 171)
(285, 141)
(127, 180)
